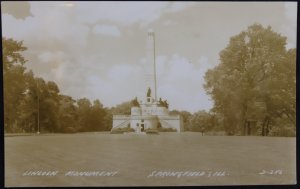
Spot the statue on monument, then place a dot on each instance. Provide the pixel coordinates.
(166, 104)
(163, 103)
(149, 92)
(160, 101)
(135, 102)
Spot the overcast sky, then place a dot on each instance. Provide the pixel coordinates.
(98, 49)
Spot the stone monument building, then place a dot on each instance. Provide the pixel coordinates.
(149, 113)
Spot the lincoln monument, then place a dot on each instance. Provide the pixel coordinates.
(149, 113)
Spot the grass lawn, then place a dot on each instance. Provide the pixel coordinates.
(134, 157)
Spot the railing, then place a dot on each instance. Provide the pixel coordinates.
(165, 123)
(121, 116)
(121, 124)
(127, 117)
(135, 117)
(169, 117)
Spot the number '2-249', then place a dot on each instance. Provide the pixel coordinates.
(271, 172)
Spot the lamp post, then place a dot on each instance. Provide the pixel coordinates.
(38, 107)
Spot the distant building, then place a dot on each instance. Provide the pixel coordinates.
(149, 113)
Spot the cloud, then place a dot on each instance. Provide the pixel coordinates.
(47, 56)
(19, 10)
(169, 22)
(126, 13)
(179, 6)
(121, 82)
(70, 5)
(291, 11)
(70, 43)
(49, 23)
(107, 30)
(180, 82)
(56, 64)
(290, 27)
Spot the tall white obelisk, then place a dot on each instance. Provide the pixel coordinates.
(151, 63)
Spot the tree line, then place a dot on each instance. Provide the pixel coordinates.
(32, 104)
(253, 89)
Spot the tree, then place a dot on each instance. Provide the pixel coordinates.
(201, 121)
(123, 108)
(185, 116)
(51, 104)
(67, 117)
(28, 107)
(93, 117)
(254, 67)
(107, 125)
(12, 54)
(83, 111)
(39, 106)
(13, 80)
(96, 117)
(185, 119)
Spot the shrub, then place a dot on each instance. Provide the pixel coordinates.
(162, 129)
(69, 130)
(116, 131)
(283, 131)
(151, 131)
(215, 133)
(121, 130)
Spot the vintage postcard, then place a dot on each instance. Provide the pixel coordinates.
(149, 93)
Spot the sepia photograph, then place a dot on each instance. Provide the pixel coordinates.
(166, 93)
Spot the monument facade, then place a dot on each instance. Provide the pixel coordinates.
(149, 113)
